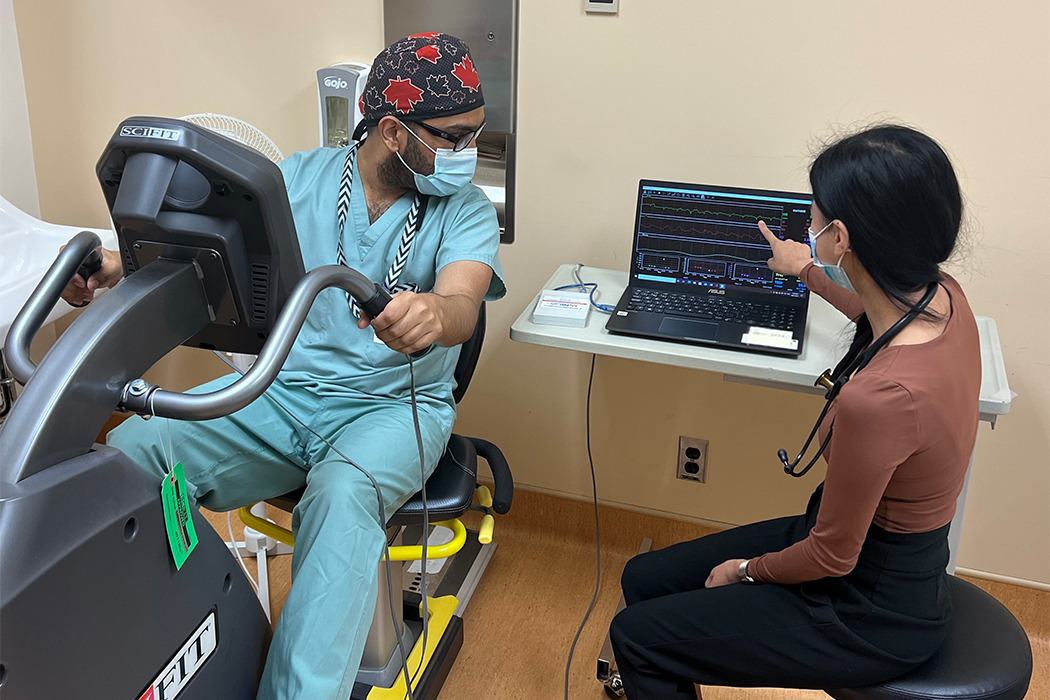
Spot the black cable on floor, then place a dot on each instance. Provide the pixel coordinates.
(597, 534)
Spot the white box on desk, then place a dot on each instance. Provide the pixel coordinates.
(562, 308)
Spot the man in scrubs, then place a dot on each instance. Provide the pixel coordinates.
(399, 208)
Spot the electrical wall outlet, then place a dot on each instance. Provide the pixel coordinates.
(692, 459)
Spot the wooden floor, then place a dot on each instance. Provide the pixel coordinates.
(521, 621)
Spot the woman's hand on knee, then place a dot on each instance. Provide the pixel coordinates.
(725, 573)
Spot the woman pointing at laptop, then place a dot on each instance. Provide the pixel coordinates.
(853, 592)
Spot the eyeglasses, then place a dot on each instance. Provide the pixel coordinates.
(461, 141)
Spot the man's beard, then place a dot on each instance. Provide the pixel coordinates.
(393, 173)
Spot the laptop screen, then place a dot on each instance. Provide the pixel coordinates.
(708, 236)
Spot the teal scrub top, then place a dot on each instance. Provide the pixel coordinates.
(332, 356)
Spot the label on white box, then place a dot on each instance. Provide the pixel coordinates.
(562, 303)
(770, 337)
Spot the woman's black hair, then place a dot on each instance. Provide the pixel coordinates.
(896, 192)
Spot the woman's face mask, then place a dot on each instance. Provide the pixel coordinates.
(453, 170)
(834, 272)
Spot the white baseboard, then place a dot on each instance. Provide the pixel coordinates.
(665, 514)
(1038, 585)
(975, 573)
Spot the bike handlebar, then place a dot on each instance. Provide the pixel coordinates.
(78, 253)
(143, 398)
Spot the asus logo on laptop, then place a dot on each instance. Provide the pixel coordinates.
(716, 291)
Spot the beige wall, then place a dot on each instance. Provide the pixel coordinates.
(17, 174)
(89, 65)
(733, 93)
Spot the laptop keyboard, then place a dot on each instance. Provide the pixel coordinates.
(713, 308)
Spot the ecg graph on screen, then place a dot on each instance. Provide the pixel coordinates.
(709, 238)
(659, 255)
(732, 211)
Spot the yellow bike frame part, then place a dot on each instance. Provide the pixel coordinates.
(404, 553)
(485, 531)
(266, 527)
(484, 496)
(441, 551)
(441, 610)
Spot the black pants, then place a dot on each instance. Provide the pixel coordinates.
(880, 621)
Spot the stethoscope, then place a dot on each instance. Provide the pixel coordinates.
(855, 360)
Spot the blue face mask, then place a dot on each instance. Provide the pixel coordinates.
(834, 272)
(453, 170)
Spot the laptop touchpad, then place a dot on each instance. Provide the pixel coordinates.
(683, 328)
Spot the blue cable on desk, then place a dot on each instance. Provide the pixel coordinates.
(591, 287)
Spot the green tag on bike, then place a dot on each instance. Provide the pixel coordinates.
(178, 519)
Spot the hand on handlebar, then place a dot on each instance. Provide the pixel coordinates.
(410, 322)
(79, 292)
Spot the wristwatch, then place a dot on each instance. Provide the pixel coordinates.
(742, 572)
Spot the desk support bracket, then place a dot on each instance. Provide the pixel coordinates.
(816, 390)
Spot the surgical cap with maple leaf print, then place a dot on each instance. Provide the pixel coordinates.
(423, 76)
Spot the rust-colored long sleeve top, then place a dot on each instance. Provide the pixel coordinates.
(904, 430)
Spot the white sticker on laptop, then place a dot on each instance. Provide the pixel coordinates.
(770, 337)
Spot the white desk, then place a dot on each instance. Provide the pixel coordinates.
(826, 340)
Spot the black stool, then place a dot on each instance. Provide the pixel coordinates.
(986, 656)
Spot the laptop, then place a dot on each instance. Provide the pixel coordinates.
(699, 273)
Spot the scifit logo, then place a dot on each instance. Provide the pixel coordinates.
(151, 132)
(334, 81)
(189, 659)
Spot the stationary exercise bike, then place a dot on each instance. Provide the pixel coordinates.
(92, 604)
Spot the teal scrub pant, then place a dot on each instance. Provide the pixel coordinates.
(260, 452)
